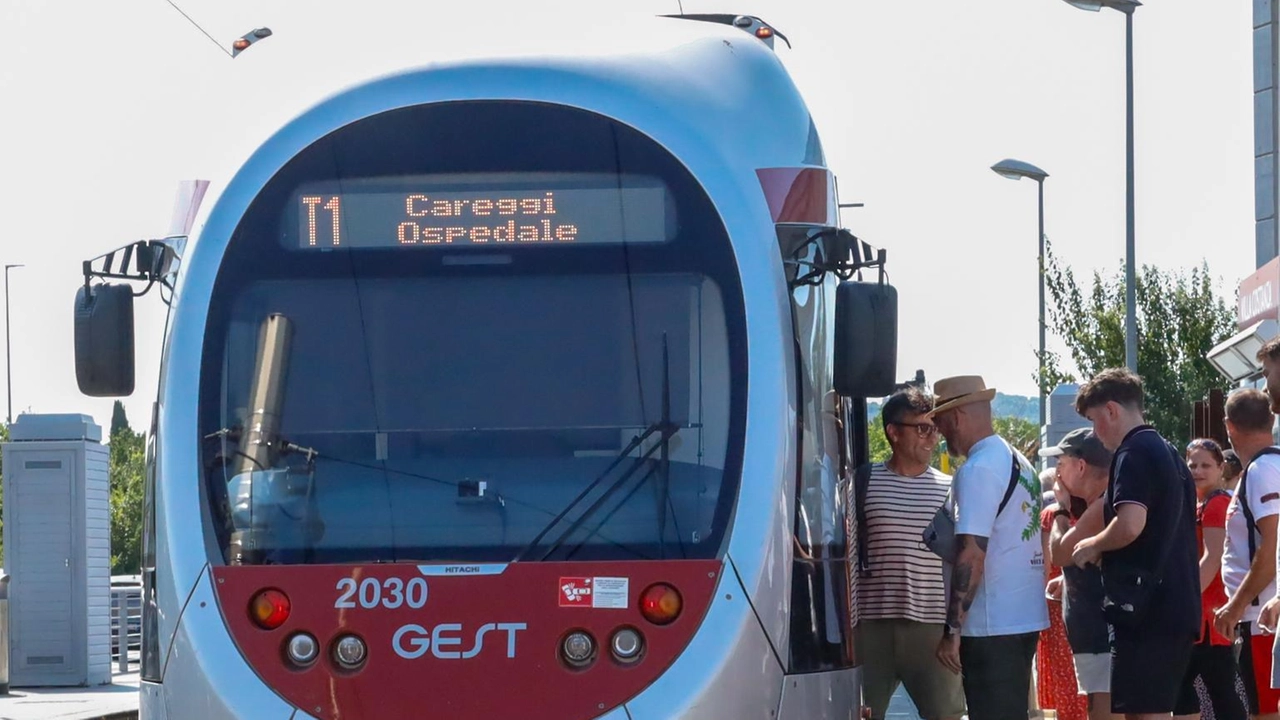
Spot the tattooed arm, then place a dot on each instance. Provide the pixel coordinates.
(966, 576)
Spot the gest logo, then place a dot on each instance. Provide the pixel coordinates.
(412, 641)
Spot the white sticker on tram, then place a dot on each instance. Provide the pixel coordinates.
(444, 570)
(610, 592)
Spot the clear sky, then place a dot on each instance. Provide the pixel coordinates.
(105, 107)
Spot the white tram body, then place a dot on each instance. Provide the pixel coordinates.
(388, 481)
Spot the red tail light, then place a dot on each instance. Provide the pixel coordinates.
(269, 609)
(660, 604)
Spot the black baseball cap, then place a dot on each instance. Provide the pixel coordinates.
(1081, 443)
(1229, 456)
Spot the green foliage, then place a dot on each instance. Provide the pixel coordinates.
(119, 421)
(128, 461)
(1179, 317)
(1020, 433)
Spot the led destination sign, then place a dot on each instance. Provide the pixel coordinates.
(528, 216)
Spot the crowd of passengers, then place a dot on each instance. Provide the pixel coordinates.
(1131, 578)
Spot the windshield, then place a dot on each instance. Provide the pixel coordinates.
(434, 341)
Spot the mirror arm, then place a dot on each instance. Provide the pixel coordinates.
(161, 255)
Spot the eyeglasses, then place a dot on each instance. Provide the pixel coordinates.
(924, 430)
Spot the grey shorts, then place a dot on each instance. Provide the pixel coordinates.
(905, 651)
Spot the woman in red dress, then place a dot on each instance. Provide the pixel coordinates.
(1212, 659)
(1055, 670)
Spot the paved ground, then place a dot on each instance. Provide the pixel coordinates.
(118, 700)
(901, 707)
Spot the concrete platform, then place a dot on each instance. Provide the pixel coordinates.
(117, 701)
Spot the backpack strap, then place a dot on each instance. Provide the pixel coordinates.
(1242, 496)
(1208, 498)
(861, 481)
(1013, 482)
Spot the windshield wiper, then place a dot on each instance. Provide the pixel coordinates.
(636, 442)
(667, 428)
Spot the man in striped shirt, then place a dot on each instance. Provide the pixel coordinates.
(901, 601)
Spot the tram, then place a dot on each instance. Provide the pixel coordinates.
(514, 386)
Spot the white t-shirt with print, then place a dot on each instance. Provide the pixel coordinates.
(1263, 487)
(1010, 597)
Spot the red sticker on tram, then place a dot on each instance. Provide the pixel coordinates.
(575, 592)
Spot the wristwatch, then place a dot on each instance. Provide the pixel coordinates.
(948, 630)
(1063, 512)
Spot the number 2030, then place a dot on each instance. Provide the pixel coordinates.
(390, 593)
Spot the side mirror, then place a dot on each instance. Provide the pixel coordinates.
(104, 340)
(866, 339)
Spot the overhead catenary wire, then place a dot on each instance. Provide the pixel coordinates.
(212, 39)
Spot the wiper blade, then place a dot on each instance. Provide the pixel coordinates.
(636, 442)
(667, 428)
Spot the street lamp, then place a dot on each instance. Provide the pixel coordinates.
(7, 364)
(1130, 312)
(1016, 170)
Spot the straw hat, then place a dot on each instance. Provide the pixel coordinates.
(953, 392)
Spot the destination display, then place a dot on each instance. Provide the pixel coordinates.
(533, 215)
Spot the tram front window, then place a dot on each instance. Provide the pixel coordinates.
(365, 401)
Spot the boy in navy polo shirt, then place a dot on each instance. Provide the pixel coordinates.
(1149, 515)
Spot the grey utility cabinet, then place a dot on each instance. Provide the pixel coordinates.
(57, 546)
(1062, 418)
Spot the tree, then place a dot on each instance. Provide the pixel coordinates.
(119, 421)
(1021, 434)
(128, 466)
(1179, 317)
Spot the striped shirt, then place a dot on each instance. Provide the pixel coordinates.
(905, 581)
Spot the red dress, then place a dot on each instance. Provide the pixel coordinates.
(1212, 513)
(1056, 685)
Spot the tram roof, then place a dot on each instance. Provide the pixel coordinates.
(698, 84)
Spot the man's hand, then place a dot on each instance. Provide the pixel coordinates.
(949, 652)
(1061, 496)
(1054, 589)
(1269, 615)
(1226, 618)
(1086, 552)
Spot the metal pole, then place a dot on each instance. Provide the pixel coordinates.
(1130, 312)
(8, 366)
(1040, 371)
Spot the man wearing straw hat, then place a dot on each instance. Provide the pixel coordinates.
(996, 607)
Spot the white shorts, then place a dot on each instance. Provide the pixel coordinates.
(1093, 673)
(1275, 663)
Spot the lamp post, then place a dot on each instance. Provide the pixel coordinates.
(1130, 311)
(1016, 170)
(8, 371)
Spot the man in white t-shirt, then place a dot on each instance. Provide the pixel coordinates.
(1269, 356)
(1248, 561)
(996, 607)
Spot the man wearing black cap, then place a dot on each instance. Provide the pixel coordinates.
(1083, 467)
(1231, 469)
